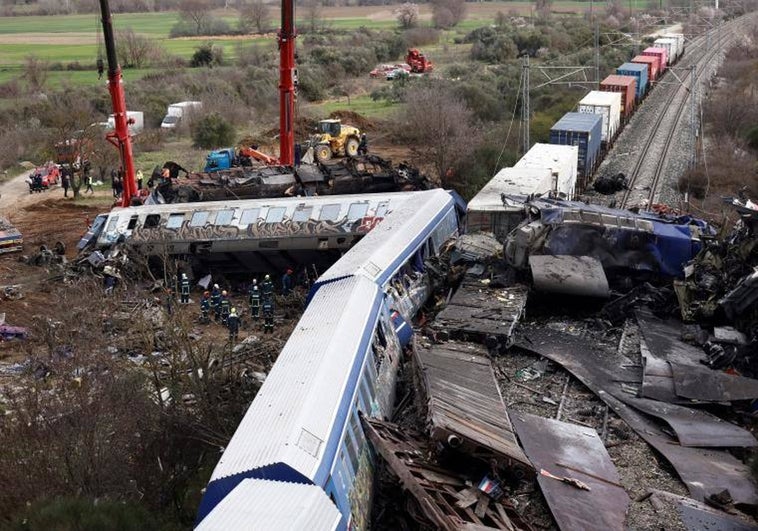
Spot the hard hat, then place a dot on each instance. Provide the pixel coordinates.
(215, 286)
(268, 277)
(206, 294)
(255, 282)
(234, 311)
(184, 276)
(223, 293)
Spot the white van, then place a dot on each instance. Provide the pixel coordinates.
(176, 111)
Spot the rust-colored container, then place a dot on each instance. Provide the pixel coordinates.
(652, 66)
(661, 54)
(627, 86)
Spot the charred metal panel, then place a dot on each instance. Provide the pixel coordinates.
(577, 452)
(702, 383)
(465, 407)
(704, 472)
(569, 275)
(662, 338)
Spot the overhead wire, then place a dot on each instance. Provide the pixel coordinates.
(510, 126)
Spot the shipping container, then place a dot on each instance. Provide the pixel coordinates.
(637, 71)
(662, 56)
(670, 46)
(490, 211)
(608, 106)
(561, 160)
(581, 130)
(652, 65)
(679, 38)
(626, 86)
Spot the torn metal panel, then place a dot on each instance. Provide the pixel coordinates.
(476, 247)
(10, 237)
(569, 275)
(574, 451)
(702, 383)
(657, 378)
(443, 497)
(465, 407)
(697, 517)
(662, 338)
(481, 312)
(742, 297)
(704, 472)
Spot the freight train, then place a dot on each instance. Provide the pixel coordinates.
(299, 459)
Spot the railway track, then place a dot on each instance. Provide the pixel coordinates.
(650, 164)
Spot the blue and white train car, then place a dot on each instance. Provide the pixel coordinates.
(303, 426)
(393, 254)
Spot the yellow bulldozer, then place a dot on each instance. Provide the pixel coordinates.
(333, 139)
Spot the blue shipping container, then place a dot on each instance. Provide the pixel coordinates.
(584, 131)
(638, 71)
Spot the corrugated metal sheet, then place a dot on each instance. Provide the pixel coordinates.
(637, 71)
(581, 130)
(291, 418)
(514, 181)
(464, 403)
(397, 235)
(670, 45)
(263, 505)
(608, 106)
(561, 160)
(652, 65)
(627, 86)
(661, 53)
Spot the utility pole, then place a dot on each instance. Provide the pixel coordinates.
(597, 55)
(525, 106)
(693, 117)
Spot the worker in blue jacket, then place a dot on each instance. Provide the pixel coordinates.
(268, 316)
(216, 302)
(254, 297)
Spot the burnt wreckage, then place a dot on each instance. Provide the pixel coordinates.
(352, 175)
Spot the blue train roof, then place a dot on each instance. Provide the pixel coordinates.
(577, 121)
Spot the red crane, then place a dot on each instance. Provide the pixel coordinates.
(287, 82)
(119, 137)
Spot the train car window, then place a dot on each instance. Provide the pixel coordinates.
(352, 451)
(249, 216)
(381, 209)
(357, 430)
(199, 219)
(224, 217)
(357, 211)
(132, 222)
(381, 334)
(174, 221)
(364, 397)
(302, 214)
(330, 213)
(275, 214)
(112, 224)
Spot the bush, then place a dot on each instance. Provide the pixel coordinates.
(207, 55)
(212, 131)
(421, 37)
(81, 513)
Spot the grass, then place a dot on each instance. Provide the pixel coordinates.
(362, 105)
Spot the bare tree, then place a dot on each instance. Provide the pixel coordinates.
(255, 15)
(134, 50)
(446, 136)
(448, 13)
(35, 73)
(407, 15)
(196, 12)
(314, 15)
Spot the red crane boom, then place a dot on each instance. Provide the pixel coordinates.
(287, 82)
(120, 135)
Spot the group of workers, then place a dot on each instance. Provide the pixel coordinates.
(217, 301)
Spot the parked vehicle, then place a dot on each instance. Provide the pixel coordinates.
(418, 62)
(135, 121)
(43, 177)
(333, 139)
(177, 111)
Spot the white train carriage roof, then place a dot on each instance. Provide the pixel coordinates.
(383, 250)
(511, 181)
(264, 505)
(288, 431)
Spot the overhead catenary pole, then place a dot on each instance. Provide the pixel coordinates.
(287, 83)
(693, 117)
(597, 55)
(525, 106)
(120, 135)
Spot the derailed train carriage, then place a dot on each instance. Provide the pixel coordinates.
(300, 447)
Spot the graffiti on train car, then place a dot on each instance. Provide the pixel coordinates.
(360, 495)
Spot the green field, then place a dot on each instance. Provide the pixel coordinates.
(362, 105)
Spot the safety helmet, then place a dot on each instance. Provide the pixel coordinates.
(255, 282)
(206, 294)
(215, 286)
(234, 311)
(184, 276)
(223, 293)
(268, 277)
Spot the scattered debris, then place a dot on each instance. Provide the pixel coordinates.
(569, 275)
(10, 237)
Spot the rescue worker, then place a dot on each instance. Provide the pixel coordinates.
(88, 180)
(233, 323)
(205, 307)
(185, 289)
(254, 296)
(267, 287)
(287, 282)
(140, 178)
(226, 305)
(216, 302)
(268, 316)
(65, 182)
(363, 146)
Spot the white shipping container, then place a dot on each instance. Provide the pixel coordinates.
(607, 105)
(562, 162)
(679, 38)
(487, 212)
(670, 45)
